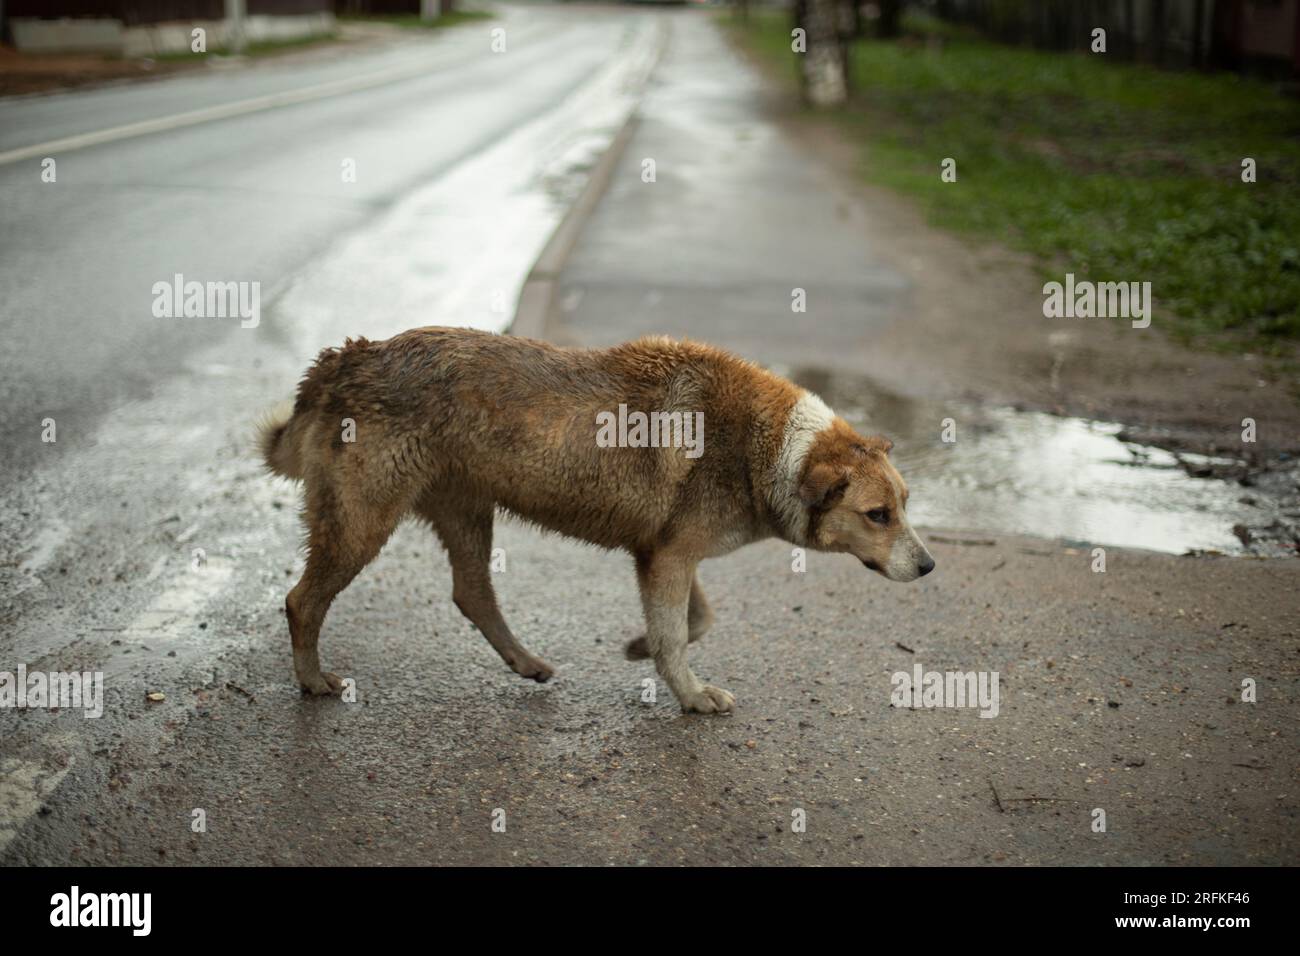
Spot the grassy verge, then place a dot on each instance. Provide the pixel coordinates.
(1109, 170)
(413, 21)
(265, 48)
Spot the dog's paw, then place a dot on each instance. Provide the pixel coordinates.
(321, 684)
(534, 668)
(637, 650)
(709, 700)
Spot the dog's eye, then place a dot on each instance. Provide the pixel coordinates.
(878, 515)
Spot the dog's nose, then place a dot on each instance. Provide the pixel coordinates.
(926, 565)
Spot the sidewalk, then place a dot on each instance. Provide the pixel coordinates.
(735, 221)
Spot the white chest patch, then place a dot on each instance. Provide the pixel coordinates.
(808, 416)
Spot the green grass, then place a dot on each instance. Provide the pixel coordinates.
(266, 48)
(1110, 170)
(413, 21)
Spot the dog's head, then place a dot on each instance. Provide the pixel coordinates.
(857, 503)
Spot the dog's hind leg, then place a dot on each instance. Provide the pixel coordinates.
(699, 618)
(466, 532)
(666, 585)
(338, 547)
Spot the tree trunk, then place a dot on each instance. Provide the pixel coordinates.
(1157, 45)
(889, 26)
(823, 68)
(1198, 36)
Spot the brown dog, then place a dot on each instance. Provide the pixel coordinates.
(450, 424)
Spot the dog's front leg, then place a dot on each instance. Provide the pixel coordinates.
(698, 621)
(665, 581)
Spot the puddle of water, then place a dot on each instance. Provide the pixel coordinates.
(1042, 475)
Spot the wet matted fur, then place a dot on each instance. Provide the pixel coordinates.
(449, 425)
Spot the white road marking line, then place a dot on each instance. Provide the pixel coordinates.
(24, 787)
(207, 114)
(257, 104)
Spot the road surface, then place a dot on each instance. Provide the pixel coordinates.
(147, 543)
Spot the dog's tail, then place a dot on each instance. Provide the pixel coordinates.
(285, 430)
(279, 438)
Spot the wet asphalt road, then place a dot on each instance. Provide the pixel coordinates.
(1119, 691)
(252, 198)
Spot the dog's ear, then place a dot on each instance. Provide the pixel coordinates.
(823, 485)
(876, 444)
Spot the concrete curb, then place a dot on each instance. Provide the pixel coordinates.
(539, 288)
